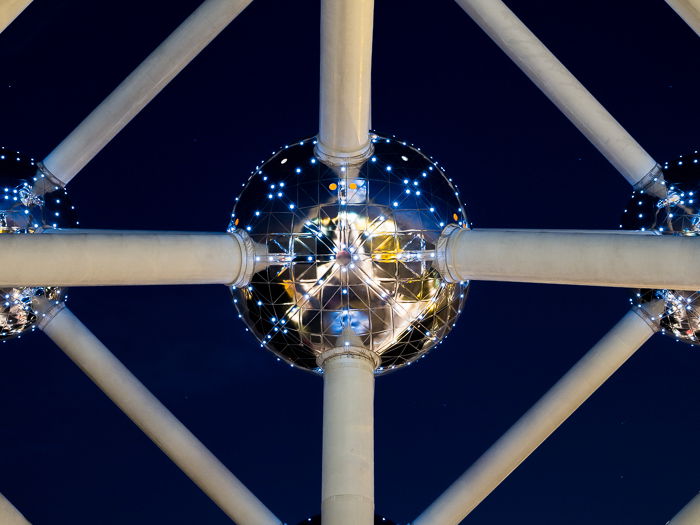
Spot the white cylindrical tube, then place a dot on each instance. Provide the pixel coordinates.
(346, 67)
(348, 438)
(690, 515)
(139, 88)
(594, 259)
(689, 11)
(562, 88)
(11, 9)
(9, 515)
(618, 345)
(159, 424)
(97, 259)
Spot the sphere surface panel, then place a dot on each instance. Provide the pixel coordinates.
(350, 251)
(23, 211)
(678, 213)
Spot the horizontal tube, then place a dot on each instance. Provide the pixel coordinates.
(140, 87)
(593, 259)
(562, 88)
(135, 258)
(156, 421)
(533, 428)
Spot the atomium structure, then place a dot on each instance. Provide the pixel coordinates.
(350, 254)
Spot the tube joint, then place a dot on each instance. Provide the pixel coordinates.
(651, 313)
(253, 256)
(46, 310)
(46, 180)
(653, 183)
(349, 351)
(442, 254)
(339, 158)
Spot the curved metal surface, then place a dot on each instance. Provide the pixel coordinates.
(349, 246)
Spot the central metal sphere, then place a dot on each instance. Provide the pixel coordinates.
(677, 212)
(350, 250)
(26, 210)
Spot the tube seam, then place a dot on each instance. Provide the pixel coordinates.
(349, 351)
(442, 250)
(353, 158)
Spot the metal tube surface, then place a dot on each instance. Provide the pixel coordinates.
(689, 11)
(348, 440)
(140, 87)
(9, 515)
(561, 87)
(11, 9)
(346, 66)
(593, 259)
(159, 424)
(618, 345)
(690, 515)
(97, 259)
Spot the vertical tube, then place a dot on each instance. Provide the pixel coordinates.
(156, 421)
(690, 515)
(562, 88)
(139, 88)
(9, 515)
(11, 9)
(348, 438)
(346, 66)
(555, 407)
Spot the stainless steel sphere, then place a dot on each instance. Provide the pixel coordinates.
(350, 251)
(23, 210)
(677, 213)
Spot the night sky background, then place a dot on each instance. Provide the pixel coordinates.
(629, 456)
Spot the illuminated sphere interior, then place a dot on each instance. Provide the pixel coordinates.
(676, 214)
(24, 210)
(351, 251)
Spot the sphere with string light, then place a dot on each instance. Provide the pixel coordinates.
(350, 249)
(28, 205)
(675, 211)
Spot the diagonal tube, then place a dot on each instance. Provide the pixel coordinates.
(530, 431)
(139, 88)
(9, 515)
(346, 67)
(689, 11)
(689, 515)
(11, 9)
(627, 260)
(102, 258)
(149, 414)
(562, 88)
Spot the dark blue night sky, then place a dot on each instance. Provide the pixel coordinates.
(629, 456)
